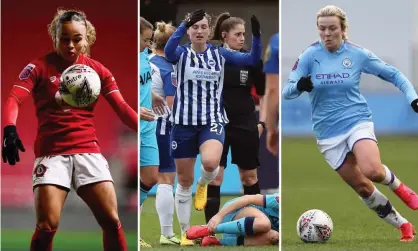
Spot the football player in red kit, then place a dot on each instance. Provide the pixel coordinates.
(66, 148)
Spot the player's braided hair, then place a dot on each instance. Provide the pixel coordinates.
(224, 23)
(330, 11)
(69, 15)
(162, 33)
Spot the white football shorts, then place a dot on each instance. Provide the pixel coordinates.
(335, 149)
(74, 170)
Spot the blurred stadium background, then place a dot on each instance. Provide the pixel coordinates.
(390, 30)
(175, 11)
(24, 38)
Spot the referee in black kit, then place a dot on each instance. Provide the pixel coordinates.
(243, 130)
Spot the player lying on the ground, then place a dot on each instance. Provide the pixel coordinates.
(250, 220)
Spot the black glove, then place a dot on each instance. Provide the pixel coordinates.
(11, 145)
(305, 84)
(194, 17)
(414, 105)
(255, 26)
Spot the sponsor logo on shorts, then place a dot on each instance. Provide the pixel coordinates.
(40, 170)
(174, 145)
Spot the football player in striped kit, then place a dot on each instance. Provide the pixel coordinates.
(198, 116)
(162, 74)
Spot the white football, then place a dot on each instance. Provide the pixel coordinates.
(314, 226)
(79, 85)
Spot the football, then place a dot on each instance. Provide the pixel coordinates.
(79, 85)
(314, 226)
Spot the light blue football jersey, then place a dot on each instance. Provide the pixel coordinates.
(337, 105)
(145, 82)
(271, 209)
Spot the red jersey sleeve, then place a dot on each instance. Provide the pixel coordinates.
(21, 89)
(128, 115)
(108, 82)
(109, 89)
(28, 77)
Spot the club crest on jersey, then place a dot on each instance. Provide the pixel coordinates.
(26, 71)
(40, 170)
(211, 63)
(52, 79)
(243, 76)
(347, 63)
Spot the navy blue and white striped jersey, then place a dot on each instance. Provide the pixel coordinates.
(199, 76)
(162, 73)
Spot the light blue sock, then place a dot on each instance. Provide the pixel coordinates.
(243, 226)
(229, 241)
(143, 192)
(142, 196)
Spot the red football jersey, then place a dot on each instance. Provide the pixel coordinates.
(62, 129)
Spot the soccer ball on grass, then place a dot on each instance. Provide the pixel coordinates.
(314, 226)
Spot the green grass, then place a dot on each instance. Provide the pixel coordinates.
(63, 240)
(150, 229)
(308, 182)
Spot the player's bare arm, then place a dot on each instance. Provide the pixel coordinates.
(243, 201)
(271, 104)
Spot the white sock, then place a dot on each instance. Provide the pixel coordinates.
(390, 179)
(207, 177)
(381, 205)
(164, 203)
(183, 202)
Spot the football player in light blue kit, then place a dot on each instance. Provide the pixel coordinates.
(250, 220)
(162, 85)
(271, 69)
(149, 159)
(198, 115)
(330, 70)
